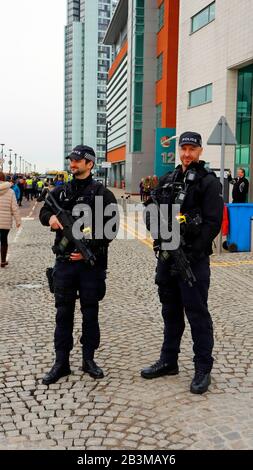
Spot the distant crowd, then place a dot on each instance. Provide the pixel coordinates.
(31, 187)
(147, 184)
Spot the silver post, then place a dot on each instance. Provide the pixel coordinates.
(10, 162)
(222, 163)
(222, 166)
(2, 158)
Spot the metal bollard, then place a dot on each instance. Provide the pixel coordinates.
(123, 203)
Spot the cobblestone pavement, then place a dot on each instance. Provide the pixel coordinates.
(122, 411)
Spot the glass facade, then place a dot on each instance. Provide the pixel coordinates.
(73, 11)
(76, 81)
(159, 116)
(202, 18)
(138, 63)
(201, 95)
(244, 119)
(159, 67)
(161, 16)
(105, 12)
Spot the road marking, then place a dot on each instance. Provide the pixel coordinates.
(33, 209)
(30, 286)
(145, 241)
(27, 218)
(149, 243)
(231, 263)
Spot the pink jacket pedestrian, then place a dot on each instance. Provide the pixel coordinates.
(8, 210)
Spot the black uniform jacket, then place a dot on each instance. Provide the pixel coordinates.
(240, 189)
(83, 191)
(205, 198)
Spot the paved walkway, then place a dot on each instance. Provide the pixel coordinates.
(122, 411)
(120, 193)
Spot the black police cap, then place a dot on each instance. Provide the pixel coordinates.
(82, 151)
(190, 138)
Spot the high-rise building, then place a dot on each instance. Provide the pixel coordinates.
(87, 61)
(142, 89)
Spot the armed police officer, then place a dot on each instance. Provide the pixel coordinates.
(184, 287)
(75, 273)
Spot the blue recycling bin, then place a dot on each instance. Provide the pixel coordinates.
(240, 226)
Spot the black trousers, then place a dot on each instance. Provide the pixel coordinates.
(178, 298)
(70, 277)
(4, 236)
(29, 192)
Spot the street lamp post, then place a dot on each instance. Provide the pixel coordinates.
(20, 171)
(10, 162)
(15, 168)
(23, 166)
(2, 158)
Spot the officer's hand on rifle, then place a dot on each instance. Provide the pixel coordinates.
(54, 223)
(75, 256)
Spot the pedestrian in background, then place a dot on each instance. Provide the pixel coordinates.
(21, 185)
(29, 188)
(141, 186)
(240, 186)
(147, 188)
(8, 210)
(155, 181)
(15, 188)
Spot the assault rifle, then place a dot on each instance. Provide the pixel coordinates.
(177, 256)
(67, 221)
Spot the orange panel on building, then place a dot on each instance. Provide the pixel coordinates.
(167, 43)
(116, 63)
(117, 155)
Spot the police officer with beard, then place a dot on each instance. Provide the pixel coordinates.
(72, 274)
(202, 205)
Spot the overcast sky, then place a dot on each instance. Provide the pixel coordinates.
(32, 80)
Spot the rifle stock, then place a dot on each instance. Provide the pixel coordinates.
(179, 257)
(67, 221)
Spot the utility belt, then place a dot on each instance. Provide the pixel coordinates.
(98, 251)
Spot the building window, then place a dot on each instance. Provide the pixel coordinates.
(138, 77)
(244, 119)
(202, 18)
(159, 115)
(201, 95)
(161, 16)
(137, 140)
(159, 69)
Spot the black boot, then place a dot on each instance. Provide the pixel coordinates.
(92, 368)
(4, 249)
(159, 369)
(200, 382)
(60, 369)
